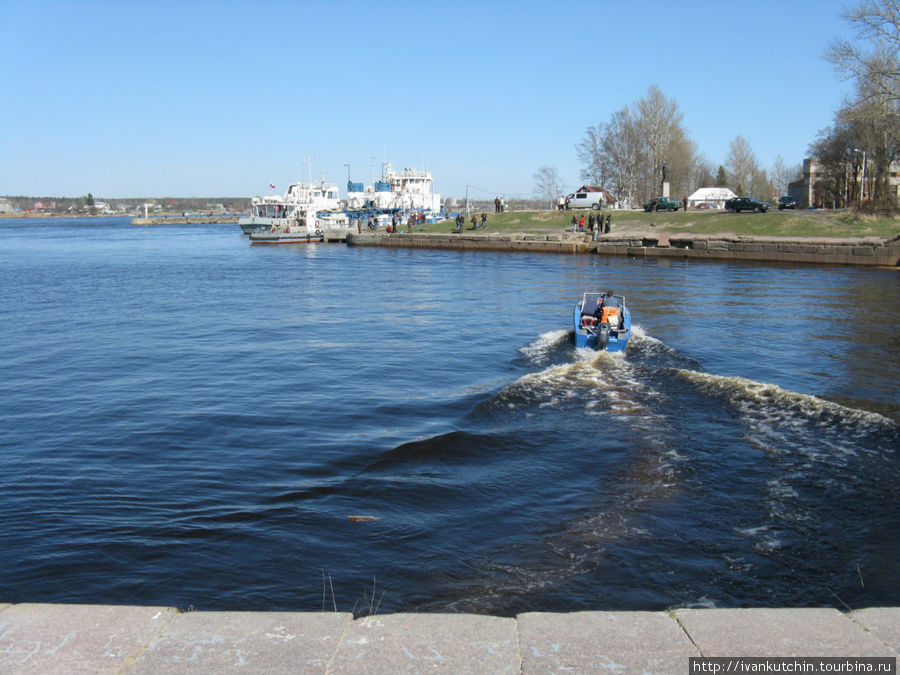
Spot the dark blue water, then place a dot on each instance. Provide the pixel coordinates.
(188, 420)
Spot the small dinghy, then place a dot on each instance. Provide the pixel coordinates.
(602, 321)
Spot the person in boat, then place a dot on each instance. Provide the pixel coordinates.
(610, 300)
(610, 305)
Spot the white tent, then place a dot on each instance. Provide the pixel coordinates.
(715, 196)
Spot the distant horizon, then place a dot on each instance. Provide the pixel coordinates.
(118, 99)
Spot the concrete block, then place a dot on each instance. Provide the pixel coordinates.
(883, 623)
(648, 642)
(271, 642)
(777, 632)
(863, 250)
(77, 638)
(443, 643)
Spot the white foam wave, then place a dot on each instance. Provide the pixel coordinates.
(539, 350)
(780, 405)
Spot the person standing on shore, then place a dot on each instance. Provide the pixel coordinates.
(483, 221)
(581, 224)
(608, 224)
(574, 224)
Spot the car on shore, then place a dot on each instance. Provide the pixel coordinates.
(786, 203)
(662, 204)
(738, 204)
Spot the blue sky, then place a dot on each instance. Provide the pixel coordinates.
(126, 99)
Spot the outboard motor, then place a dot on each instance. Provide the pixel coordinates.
(602, 336)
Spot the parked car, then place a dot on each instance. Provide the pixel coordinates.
(662, 204)
(738, 204)
(584, 200)
(787, 203)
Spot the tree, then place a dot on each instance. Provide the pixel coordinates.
(704, 172)
(628, 152)
(783, 175)
(721, 177)
(546, 185)
(742, 165)
(874, 59)
(589, 152)
(872, 118)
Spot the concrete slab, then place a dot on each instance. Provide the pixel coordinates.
(646, 642)
(445, 643)
(76, 638)
(778, 632)
(271, 642)
(883, 623)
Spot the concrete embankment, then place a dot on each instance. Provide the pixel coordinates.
(98, 639)
(868, 251)
(185, 220)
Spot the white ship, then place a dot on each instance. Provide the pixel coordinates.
(297, 208)
(406, 191)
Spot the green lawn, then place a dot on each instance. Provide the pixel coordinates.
(841, 223)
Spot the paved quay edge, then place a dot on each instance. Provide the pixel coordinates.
(865, 251)
(63, 638)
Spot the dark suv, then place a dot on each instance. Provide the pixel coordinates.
(663, 204)
(738, 204)
(787, 203)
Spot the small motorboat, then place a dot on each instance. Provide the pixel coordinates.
(602, 321)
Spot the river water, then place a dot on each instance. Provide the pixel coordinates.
(188, 420)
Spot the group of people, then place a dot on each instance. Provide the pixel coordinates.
(461, 220)
(595, 226)
(499, 205)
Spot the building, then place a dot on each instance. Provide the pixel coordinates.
(819, 189)
(715, 197)
(5, 205)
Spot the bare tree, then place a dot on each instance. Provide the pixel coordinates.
(874, 58)
(621, 155)
(704, 173)
(627, 153)
(546, 185)
(659, 122)
(741, 164)
(783, 175)
(590, 151)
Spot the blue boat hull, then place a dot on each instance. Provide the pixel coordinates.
(616, 340)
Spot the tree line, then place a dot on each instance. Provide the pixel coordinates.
(627, 153)
(855, 154)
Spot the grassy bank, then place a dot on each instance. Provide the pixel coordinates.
(797, 224)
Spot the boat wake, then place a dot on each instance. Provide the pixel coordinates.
(654, 397)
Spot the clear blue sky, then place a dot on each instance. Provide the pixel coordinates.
(198, 98)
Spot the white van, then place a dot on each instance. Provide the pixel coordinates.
(585, 200)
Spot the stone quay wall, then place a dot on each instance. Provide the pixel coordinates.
(866, 251)
(184, 220)
(870, 251)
